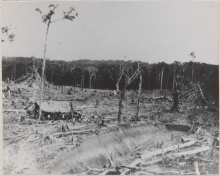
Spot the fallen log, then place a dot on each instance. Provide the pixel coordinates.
(14, 110)
(161, 172)
(149, 163)
(157, 152)
(73, 132)
(192, 139)
(187, 139)
(131, 165)
(177, 127)
(95, 169)
(18, 139)
(107, 171)
(15, 136)
(168, 149)
(192, 152)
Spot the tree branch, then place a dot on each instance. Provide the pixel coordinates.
(56, 20)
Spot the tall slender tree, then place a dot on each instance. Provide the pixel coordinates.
(47, 19)
(193, 55)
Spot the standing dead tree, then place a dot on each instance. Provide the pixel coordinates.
(193, 55)
(139, 92)
(92, 71)
(47, 19)
(126, 82)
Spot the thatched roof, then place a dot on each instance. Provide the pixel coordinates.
(55, 106)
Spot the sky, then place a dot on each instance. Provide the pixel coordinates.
(150, 31)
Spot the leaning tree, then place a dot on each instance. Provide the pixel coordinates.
(47, 19)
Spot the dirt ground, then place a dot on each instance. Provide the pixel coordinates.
(24, 152)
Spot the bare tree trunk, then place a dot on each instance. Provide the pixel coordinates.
(173, 81)
(167, 82)
(195, 78)
(122, 94)
(14, 72)
(26, 68)
(159, 81)
(139, 96)
(148, 81)
(96, 83)
(202, 95)
(117, 84)
(51, 79)
(161, 86)
(90, 79)
(42, 75)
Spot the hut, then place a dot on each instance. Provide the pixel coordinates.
(56, 109)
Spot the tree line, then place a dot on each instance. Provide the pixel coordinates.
(104, 74)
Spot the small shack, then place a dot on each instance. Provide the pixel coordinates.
(56, 109)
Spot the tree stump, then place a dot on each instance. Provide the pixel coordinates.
(22, 119)
(19, 90)
(175, 100)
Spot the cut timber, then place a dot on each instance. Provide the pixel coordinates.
(157, 152)
(203, 149)
(177, 127)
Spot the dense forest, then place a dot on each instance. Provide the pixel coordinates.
(103, 74)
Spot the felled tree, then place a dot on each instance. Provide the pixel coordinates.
(92, 71)
(47, 19)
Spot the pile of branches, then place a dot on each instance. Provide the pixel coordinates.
(32, 78)
(195, 94)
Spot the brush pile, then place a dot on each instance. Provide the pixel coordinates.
(32, 80)
(195, 94)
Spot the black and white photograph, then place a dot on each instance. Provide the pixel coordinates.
(110, 87)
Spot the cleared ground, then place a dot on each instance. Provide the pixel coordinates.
(24, 151)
